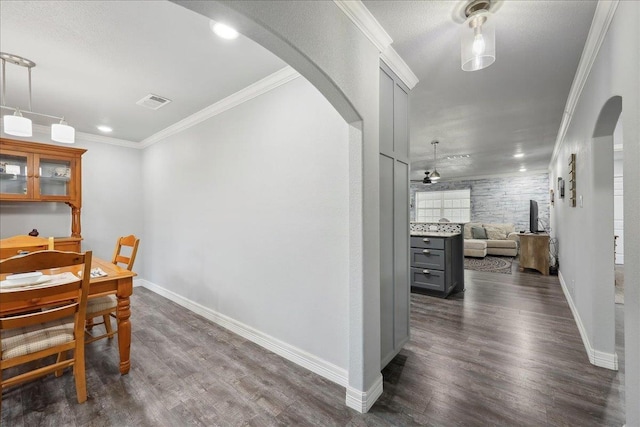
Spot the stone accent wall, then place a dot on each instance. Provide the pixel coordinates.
(499, 200)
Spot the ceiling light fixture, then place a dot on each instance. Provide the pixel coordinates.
(518, 155)
(434, 175)
(103, 128)
(16, 124)
(223, 30)
(478, 47)
(523, 169)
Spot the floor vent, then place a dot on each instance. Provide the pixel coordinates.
(153, 101)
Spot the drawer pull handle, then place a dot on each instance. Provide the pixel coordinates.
(426, 272)
(426, 251)
(425, 240)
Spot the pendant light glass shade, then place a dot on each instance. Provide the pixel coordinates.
(434, 176)
(16, 125)
(62, 132)
(478, 42)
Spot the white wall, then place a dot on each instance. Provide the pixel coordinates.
(584, 234)
(111, 200)
(618, 193)
(247, 214)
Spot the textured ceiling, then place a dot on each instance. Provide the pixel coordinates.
(95, 59)
(514, 105)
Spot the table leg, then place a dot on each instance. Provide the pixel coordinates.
(123, 313)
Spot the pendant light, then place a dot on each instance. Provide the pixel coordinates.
(434, 175)
(478, 38)
(16, 124)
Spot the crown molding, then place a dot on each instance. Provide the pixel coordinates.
(605, 10)
(398, 66)
(371, 28)
(366, 22)
(90, 137)
(268, 83)
(45, 132)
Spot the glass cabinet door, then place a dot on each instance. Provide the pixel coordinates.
(55, 176)
(13, 174)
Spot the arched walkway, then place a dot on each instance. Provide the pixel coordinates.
(322, 44)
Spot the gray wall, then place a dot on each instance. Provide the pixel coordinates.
(111, 201)
(499, 199)
(395, 290)
(247, 214)
(585, 233)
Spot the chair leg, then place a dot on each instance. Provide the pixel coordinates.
(79, 374)
(89, 324)
(107, 325)
(61, 358)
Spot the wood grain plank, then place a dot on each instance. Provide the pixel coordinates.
(505, 352)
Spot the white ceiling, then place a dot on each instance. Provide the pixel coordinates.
(95, 59)
(514, 105)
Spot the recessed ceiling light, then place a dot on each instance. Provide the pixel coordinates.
(523, 169)
(518, 155)
(223, 30)
(103, 128)
(458, 156)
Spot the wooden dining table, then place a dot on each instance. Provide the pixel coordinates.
(118, 281)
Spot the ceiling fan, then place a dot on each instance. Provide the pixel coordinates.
(426, 180)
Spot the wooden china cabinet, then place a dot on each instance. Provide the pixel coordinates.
(34, 172)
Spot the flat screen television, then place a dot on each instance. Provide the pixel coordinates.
(533, 216)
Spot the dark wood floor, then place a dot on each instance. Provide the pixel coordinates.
(506, 352)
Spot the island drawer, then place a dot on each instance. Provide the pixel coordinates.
(427, 279)
(428, 258)
(427, 242)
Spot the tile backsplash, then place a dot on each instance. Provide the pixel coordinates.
(445, 227)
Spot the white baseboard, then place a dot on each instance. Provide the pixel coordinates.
(363, 401)
(289, 352)
(597, 358)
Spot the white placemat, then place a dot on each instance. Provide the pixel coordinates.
(44, 280)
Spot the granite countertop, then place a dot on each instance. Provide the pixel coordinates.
(433, 234)
(438, 223)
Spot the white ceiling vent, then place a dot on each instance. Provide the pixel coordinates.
(153, 101)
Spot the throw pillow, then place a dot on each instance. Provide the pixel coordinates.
(478, 233)
(467, 229)
(495, 233)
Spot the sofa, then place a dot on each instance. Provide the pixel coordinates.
(501, 239)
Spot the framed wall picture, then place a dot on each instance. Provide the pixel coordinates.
(572, 179)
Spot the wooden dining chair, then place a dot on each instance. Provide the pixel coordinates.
(28, 333)
(106, 305)
(15, 245)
